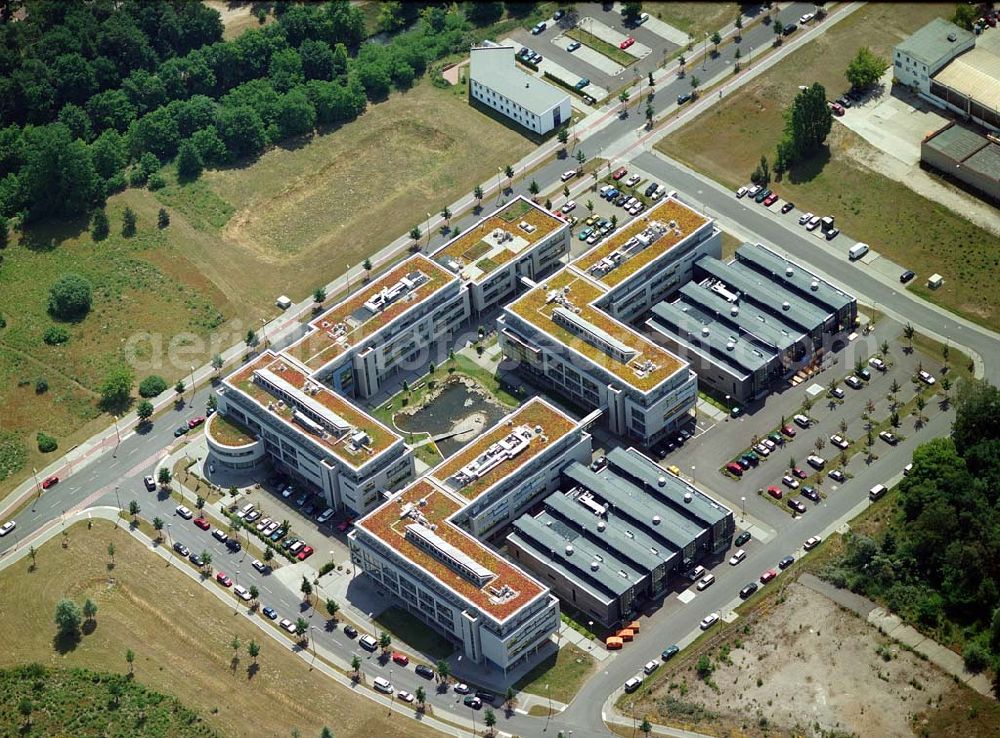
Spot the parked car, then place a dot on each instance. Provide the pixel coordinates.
(832, 234)
(351, 632)
(754, 189)
(813, 223)
(538, 28)
(195, 422)
(799, 472)
(788, 431)
(734, 468)
(768, 575)
(619, 173)
(669, 652)
(424, 671)
(906, 276)
(839, 441)
(864, 373)
(705, 582)
(837, 109)
(737, 558)
(853, 382)
(811, 543)
(650, 667)
(223, 579)
(572, 46)
(709, 620)
(220, 535)
(242, 592)
(789, 481)
(762, 195)
(810, 493)
(400, 658)
(763, 450)
(234, 545)
(742, 538)
(633, 180)
(838, 393)
(783, 564)
(149, 482)
(741, 192)
(368, 642)
(888, 437)
(925, 377)
(837, 475)
(628, 41)
(183, 512)
(771, 199)
(775, 492)
(305, 553)
(816, 462)
(270, 613)
(633, 684)
(50, 481)
(802, 421)
(797, 505)
(805, 218)
(788, 207)
(748, 590)
(344, 525)
(325, 515)
(179, 548)
(461, 688)
(259, 566)
(567, 175)
(683, 98)
(180, 431)
(569, 206)
(202, 523)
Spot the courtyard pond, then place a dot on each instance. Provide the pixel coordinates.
(462, 408)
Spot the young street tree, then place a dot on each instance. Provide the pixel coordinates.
(130, 660)
(477, 193)
(164, 476)
(144, 411)
(253, 648)
(89, 609)
(865, 69)
(128, 222)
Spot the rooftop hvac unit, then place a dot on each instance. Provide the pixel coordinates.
(657, 520)
(594, 566)
(601, 525)
(538, 429)
(789, 271)
(569, 549)
(661, 481)
(814, 286)
(687, 497)
(730, 346)
(786, 306)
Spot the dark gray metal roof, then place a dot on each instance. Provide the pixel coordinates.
(668, 487)
(986, 162)
(685, 327)
(957, 142)
(748, 318)
(800, 282)
(763, 292)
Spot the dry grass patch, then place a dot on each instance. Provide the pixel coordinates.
(922, 235)
(180, 635)
(695, 19)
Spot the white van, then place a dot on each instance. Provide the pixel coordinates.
(633, 684)
(877, 491)
(801, 420)
(383, 685)
(857, 251)
(368, 643)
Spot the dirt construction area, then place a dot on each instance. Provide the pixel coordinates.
(807, 668)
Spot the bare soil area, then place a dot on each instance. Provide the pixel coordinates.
(809, 668)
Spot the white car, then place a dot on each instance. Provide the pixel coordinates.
(259, 565)
(752, 192)
(568, 175)
(242, 592)
(926, 377)
(737, 557)
(273, 526)
(287, 491)
(811, 543)
(462, 688)
(325, 515)
(816, 462)
(243, 511)
(805, 18)
(7, 527)
(650, 667)
(252, 516)
(771, 445)
(876, 363)
(805, 218)
(741, 192)
(405, 696)
(149, 482)
(709, 620)
(705, 582)
(184, 512)
(569, 206)
(220, 535)
(761, 449)
(632, 181)
(789, 481)
(813, 223)
(263, 524)
(383, 685)
(288, 625)
(802, 421)
(839, 441)
(635, 209)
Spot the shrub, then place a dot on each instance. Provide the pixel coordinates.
(156, 182)
(41, 385)
(975, 656)
(46, 443)
(70, 298)
(55, 335)
(152, 385)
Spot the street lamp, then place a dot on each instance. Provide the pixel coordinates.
(263, 330)
(117, 498)
(704, 57)
(118, 434)
(170, 541)
(192, 385)
(743, 508)
(694, 479)
(728, 409)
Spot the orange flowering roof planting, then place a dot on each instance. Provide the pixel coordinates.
(317, 400)
(422, 505)
(349, 322)
(523, 423)
(686, 220)
(646, 366)
(469, 248)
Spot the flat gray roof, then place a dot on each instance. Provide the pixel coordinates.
(800, 281)
(713, 307)
(686, 328)
(931, 43)
(493, 66)
(986, 162)
(957, 142)
(760, 290)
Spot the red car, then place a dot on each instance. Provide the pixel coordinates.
(775, 492)
(202, 523)
(400, 658)
(343, 526)
(770, 200)
(195, 422)
(224, 580)
(619, 173)
(48, 482)
(733, 468)
(767, 576)
(837, 108)
(305, 553)
(788, 431)
(626, 43)
(801, 474)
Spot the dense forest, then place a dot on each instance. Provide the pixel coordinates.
(96, 96)
(938, 564)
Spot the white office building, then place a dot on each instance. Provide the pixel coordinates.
(497, 82)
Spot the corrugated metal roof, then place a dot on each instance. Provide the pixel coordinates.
(976, 74)
(957, 142)
(985, 162)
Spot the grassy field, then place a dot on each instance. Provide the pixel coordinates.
(412, 631)
(564, 673)
(180, 635)
(695, 19)
(81, 702)
(728, 141)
